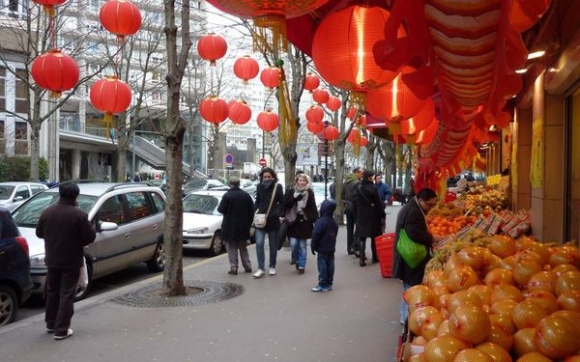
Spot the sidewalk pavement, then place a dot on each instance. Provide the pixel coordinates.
(275, 318)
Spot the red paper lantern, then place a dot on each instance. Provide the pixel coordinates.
(267, 120)
(425, 136)
(342, 49)
(354, 136)
(55, 71)
(48, 5)
(315, 127)
(420, 121)
(120, 17)
(320, 95)
(212, 47)
(364, 141)
(330, 133)
(351, 113)
(311, 82)
(333, 103)
(110, 95)
(315, 114)
(270, 77)
(213, 109)
(393, 102)
(246, 68)
(239, 112)
(362, 120)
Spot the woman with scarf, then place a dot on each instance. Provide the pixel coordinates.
(299, 200)
(268, 190)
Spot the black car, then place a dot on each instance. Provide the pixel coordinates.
(15, 280)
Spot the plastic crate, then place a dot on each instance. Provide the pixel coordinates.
(384, 244)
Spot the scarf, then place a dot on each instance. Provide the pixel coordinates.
(301, 204)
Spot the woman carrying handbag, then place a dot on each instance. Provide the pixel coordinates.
(300, 216)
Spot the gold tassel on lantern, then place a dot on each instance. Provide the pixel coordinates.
(107, 122)
(288, 129)
(358, 100)
(269, 33)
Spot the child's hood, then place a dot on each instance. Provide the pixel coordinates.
(327, 208)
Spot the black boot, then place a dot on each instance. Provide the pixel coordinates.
(361, 251)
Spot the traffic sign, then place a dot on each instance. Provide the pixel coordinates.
(262, 162)
(229, 158)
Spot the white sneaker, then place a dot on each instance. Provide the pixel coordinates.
(272, 271)
(61, 337)
(260, 273)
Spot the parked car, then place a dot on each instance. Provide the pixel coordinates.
(202, 222)
(15, 193)
(128, 218)
(15, 281)
(197, 184)
(249, 186)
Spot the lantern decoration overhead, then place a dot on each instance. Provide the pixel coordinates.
(315, 114)
(246, 68)
(110, 95)
(270, 77)
(320, 96)
(420, 121)
(425, 136)
(55, 71)
(267, 120)
(48, 5)
(364, 141)
(269, 18)
(239, 111)
(355, 138)
(330, 133)
(311, 82)
(393, 102)
(315, 127)
(333, 103)
(342, 49)
(212, 47)
(213, 109)
(120, 17)
(352, 112)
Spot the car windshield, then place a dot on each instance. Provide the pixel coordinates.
(201, 204)
(29, 213)
(6, 192)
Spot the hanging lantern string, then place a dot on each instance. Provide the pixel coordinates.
(287, 124)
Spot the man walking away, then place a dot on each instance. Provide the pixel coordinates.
(324, 243)
(237, 207)
(66, 230)
(350, 183)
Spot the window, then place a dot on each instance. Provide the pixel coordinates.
(21, 131)
(2, 87)
(112, 211)
(22, 191)
(1, 127)
(158, 201)
(21, 93)
(137, 203)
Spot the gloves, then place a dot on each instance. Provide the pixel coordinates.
(313, 252)
(298, 196)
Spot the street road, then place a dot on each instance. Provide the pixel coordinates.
(35, 305)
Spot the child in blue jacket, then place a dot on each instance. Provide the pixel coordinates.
(324, 243)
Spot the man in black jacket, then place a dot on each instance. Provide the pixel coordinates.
(237, 207)
(66, 230)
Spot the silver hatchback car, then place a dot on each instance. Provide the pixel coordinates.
(128, 218)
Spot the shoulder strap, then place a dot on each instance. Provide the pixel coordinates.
(272, 198)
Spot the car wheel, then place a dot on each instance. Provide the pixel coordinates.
(217, 244)
(82, 292)
(8, 305)
(157, 262)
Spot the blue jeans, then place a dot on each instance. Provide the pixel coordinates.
(260, 236)
(404, 308)
(325, 263)
(299, 251)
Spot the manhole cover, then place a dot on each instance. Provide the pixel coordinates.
(198, 293)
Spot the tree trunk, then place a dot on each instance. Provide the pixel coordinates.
(34, 153)
(339, 161)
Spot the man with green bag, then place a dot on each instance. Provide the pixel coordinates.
(413, 242)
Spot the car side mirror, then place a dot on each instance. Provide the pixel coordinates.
(106, 226)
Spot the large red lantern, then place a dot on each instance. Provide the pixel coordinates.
(267, 120)
(120, 17)
(311, 82)
(425, 136)
(364, 141)
(212, 47)
(55, 71)
(333, 103)
(271, 15)
(213, 109)
(393, 102)
(315, 114)
(246, 68)
(270, 77)
(420, 121)
(110, 95)
(315, 127)
(342, 49)
(48, 5)
(330, 133)
(320, 95)
(239, 112)
(354, 136)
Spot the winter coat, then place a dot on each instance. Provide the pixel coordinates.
(325, 229)
(411, 218)
(304, 224)
(8, 228)
(66, 230)
(263, 195)
(237, 207)
(350, 182)
(384, 192)
(369, 211)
